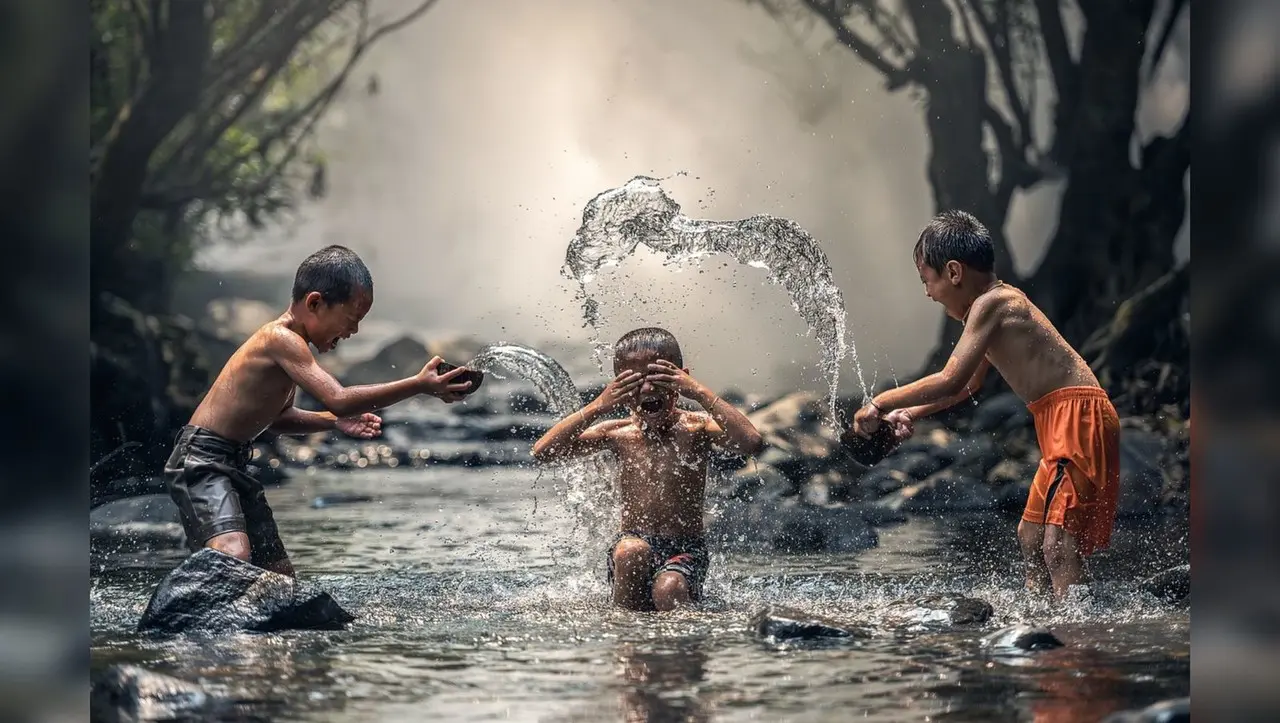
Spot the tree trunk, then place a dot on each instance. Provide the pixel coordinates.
(1089, 266)
(171, 91)
(955, 75)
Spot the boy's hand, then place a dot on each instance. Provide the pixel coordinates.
(618, 391)
(903, 424)
(669, 376)
(442, 386)
(361, 426)
(866, 421)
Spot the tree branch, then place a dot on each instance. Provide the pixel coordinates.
(259, 77)
(1066, 76)
(895, 77)
(1166, 32)
(310, 114)
(996, 32)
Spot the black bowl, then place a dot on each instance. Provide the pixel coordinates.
(869, 451)
(475, 376)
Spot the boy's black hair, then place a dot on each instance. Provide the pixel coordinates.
(650, 339)
(336, 272)
(956, 236)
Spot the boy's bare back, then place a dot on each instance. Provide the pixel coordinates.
(1025, 347)
(252, 389)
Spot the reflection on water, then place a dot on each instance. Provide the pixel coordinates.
(664, 683)
(473, 605)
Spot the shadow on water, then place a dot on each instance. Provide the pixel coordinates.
(474, 603)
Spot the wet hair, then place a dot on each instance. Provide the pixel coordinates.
(334, 271)
(649, 339)
(956, 236)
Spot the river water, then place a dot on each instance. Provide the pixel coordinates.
(474, 603)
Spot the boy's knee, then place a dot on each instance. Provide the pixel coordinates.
(669, 590)
(235, 544)
(631, 551)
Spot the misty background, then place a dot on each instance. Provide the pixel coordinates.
(463, 179)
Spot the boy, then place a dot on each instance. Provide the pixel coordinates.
(221, 505)
(659, 558)
(1072, 505)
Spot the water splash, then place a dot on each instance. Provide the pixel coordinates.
(617, 221)
(545, 373)
(589, 490)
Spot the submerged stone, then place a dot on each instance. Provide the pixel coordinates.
(214, 592)
(938, 610)
(1021, 639)
(779, 623)
(1177, 710)
(130, 693)
(1171, 586)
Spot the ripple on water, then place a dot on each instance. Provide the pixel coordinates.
(508, 621)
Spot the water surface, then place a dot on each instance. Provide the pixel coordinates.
(475, 603)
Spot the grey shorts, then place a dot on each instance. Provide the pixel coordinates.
(684, 555)
(207, 477)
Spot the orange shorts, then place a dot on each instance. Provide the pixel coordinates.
(1077, 486)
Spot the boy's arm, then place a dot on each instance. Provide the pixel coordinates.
(975, 383)
(968, 355)
(572, 437)
(294, 357)
(299, 421)
(729, 428)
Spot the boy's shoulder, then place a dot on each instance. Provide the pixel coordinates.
(997, 303)
(274, 334)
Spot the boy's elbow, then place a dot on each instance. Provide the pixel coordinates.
(753, 444)
(951, 385)
(340, 405)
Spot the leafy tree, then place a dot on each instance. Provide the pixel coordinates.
(201, 112)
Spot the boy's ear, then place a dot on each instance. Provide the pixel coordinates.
(312, 300)
(954, 272)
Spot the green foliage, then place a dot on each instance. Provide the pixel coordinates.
(243, 152)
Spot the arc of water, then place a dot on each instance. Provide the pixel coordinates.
(589, 481)
(616, 222)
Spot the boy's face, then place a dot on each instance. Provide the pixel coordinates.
(651, 403)
(331, 323)
(942, 287)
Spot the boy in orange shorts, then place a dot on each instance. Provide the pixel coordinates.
(1072, 505)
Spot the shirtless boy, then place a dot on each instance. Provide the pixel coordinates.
(659, 558)
(1072, 505)
(221, 505)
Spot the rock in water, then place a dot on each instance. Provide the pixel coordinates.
(944, 610)
(777, 623)
(214, 592)
(1171, 586)
(1020, 639)
(129, 693)
(1177, 710)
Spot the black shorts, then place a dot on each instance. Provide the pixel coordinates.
(685, 555)
(207, 478)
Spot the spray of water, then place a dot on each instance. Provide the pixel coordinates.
(619, 220)
(588, 483)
